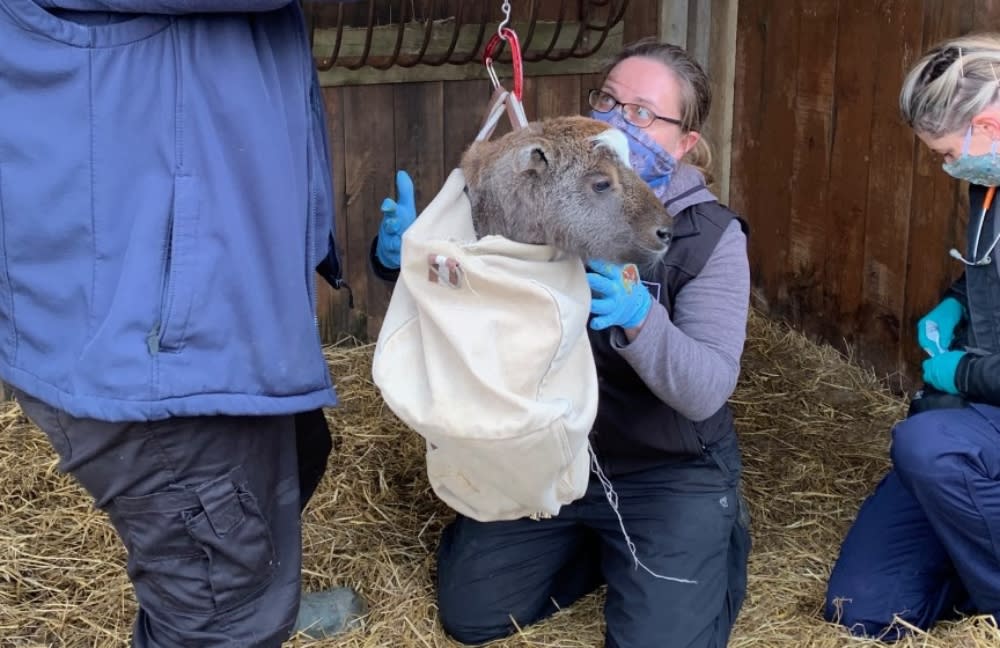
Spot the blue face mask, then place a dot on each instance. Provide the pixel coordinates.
(983, 170)
(649, 160)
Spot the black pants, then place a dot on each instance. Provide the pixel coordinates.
(208, 509)
(687, 521)
(313, 445)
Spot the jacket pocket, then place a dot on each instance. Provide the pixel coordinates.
(178, 278)
(199, 551)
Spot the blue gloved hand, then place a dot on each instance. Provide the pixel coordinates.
(940, 322)
(939, 371)
(619, 298)
(397, 216)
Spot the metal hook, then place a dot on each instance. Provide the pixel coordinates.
(493, 74)
(505, 7)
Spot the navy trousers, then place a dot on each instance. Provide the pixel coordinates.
(926, 544)
(208, 508)
(686, 519)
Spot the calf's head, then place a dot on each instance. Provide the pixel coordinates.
(566, 182)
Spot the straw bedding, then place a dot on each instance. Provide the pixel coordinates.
(814, 430)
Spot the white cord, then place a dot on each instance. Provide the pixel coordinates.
(612, 496)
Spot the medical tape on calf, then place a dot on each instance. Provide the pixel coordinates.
(443, 270)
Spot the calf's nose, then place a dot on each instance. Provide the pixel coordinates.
(664, 234)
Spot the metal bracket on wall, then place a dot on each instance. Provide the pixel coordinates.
(433, 40)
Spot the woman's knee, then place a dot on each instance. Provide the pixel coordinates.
(463, 609)
(465, 619)
(919, 443)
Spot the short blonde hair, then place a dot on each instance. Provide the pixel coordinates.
(952, 83)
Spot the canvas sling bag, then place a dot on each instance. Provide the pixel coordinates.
(484, 352)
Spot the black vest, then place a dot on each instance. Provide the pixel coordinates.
(981, 330)
(634, 428)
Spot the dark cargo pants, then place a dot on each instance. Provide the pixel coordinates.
(925, 546)
(686, 519)
(208, 509)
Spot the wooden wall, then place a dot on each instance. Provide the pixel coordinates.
(423, 127)
(851, 219)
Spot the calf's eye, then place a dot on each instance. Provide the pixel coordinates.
(601, 186)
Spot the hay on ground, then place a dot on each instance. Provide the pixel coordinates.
(814, 430)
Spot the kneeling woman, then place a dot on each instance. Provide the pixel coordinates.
(668, 359)
(926, 544)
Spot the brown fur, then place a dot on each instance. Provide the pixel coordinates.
(544, 185)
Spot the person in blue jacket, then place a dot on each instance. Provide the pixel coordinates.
(925, 546)
(165, 202)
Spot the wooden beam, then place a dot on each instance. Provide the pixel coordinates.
(674, 22)
(384, 42)
(722, 71)
(699, 30)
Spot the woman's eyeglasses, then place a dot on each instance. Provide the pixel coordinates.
(637, 115)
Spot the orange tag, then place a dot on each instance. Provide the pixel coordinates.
(630, 276)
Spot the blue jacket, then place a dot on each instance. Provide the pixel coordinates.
(165, 197)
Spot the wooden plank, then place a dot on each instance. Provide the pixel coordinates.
(748, 113)
(812, 126)
(335, 316)
(674, 22)
(414, 142)
(642, 18)
(465, 105)
(699, 30)
(854, 92)
(419, 137)
(588, 82)
(772, 206)
(558, 96)
(889, 186)
(934, 206)
(369, 170)
(987, 14)
(419, 150)
(722, 73)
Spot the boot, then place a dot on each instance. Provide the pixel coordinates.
(327, 613)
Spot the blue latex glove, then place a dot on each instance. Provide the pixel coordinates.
(397, 216)
(941, 321)
(939, 371)
(618, 296)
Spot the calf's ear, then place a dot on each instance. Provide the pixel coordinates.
(531, 159)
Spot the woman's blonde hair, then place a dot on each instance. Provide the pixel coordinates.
(696, 92)
(951, 84)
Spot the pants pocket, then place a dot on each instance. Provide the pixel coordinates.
(201, 551)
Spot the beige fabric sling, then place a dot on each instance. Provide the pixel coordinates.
(484, 353)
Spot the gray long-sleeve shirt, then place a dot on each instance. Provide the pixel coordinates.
(691, 358)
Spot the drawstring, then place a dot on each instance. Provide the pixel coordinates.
(612, 496)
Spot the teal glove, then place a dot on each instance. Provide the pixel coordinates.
(619, 297)
(396, 218)
(936, 330)
(939, 370)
